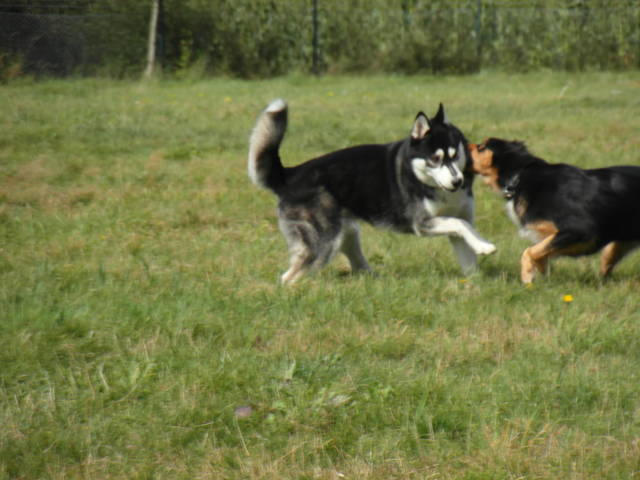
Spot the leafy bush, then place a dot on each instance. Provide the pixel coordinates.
(260, 38)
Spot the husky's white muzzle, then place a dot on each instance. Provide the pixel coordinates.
(447, 176)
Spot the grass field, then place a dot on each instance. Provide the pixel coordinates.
(143, 333)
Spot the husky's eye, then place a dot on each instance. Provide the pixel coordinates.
(482, 147)
(437, 157)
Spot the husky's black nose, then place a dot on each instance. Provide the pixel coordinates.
(457, 183)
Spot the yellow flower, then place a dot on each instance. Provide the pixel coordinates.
(567, 298)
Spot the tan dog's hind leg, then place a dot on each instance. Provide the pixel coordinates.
(612, 254)
(537, 257)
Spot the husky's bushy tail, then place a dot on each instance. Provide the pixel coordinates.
(265, 167)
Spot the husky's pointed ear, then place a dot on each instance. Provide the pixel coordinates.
(420, 126)
(441, 116)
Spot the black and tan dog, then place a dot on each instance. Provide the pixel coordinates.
(420, 185)
(563, 209)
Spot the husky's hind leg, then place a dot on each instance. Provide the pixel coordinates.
(313, 230)
(302, 241)
(300, 262)
(312, 244)
(351, 247)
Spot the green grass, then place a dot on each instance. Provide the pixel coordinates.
(140, 311)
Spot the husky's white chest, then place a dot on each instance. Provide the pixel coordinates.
(446, 203)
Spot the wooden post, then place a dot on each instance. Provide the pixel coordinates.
(153, 33)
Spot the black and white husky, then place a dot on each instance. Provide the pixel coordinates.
(419, 185)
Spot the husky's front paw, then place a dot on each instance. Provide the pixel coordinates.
(484, 248)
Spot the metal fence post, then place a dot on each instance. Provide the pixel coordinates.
(478, 31)
(315, 43)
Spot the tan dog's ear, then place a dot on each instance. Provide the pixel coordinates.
(468, 168)
(472, 165)
(482, 164)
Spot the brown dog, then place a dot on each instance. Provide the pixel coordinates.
(564, 210)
